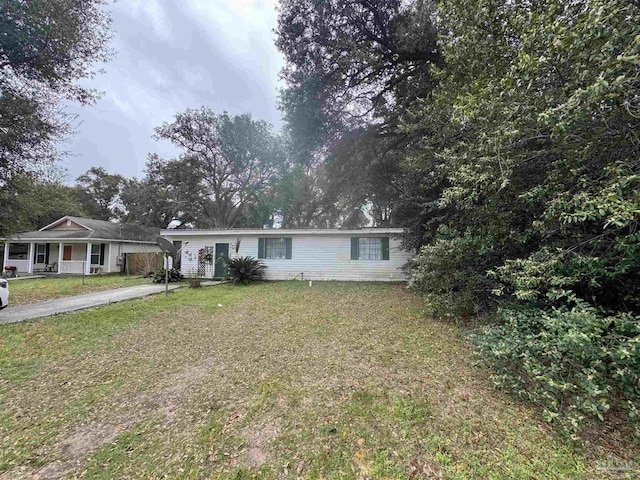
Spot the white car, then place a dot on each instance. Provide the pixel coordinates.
(4, 293)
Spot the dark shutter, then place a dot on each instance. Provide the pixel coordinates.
(384, 243)
(354, 248)
(287, 244)
(102, 247)
(261, 248)
(35, 252)
(46, 253)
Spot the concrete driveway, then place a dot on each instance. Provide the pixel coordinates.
(80, 302)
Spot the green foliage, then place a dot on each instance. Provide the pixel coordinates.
(536, 147)
(447, 273)
(244, 270)
(99, 193)
(527, 190)
(30, 204)
(174, 275)
(46, 48)
(576, 363)
(225, 166)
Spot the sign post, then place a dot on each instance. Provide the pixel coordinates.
(166, 274)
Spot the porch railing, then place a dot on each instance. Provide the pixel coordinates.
(72, 266)
(21, 265)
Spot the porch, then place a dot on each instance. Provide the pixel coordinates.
(69, 258)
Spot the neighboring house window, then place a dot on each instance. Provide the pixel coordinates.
(370, 248)
(97, 254)
(274, 248)
(18, 251)
(41, 253)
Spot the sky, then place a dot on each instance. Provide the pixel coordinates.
(169, 56)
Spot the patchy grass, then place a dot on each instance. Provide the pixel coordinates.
(342, 380)
(36, 290)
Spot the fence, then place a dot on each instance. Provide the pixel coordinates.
(142, 263)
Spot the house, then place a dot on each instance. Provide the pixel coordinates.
(75, 245)
(308, 254)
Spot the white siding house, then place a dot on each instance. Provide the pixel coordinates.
(308, 254)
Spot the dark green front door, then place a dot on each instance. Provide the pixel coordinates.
(222, 253)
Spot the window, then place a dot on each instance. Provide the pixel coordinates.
(274, 248)
(66, 252)
(41, 253)
(18, 251)
(97, 254)
(370, 248)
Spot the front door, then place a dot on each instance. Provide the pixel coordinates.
(222, 253)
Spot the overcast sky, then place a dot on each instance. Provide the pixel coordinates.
(170, 56)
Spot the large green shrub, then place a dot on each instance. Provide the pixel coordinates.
(244, 270)
(576, 363)
(532, 138)
(448, 274)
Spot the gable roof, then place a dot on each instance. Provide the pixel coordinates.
(93, 229)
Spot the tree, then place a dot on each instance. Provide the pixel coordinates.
(100, 193)
(30, 204)
(168, 194)
(45, 48)
(353, 70)
(353, 63)
(227, 162)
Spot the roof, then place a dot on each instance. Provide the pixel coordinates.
(283, 231)
(93, 230)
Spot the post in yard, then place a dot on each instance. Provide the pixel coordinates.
(166, 274)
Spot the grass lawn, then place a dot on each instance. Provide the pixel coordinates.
(40, 289)
(341, 380)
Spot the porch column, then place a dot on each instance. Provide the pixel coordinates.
(87, 264)
(108, 258)
(60, 249)
(6, 254)
(31, 253)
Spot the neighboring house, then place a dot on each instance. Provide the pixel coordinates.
(75, 245)
(308, 254)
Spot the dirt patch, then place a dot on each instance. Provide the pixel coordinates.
(86, 439)
(257, 444)
(171, 397)
(76, 448)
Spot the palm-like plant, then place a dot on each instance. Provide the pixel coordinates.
(245, 270)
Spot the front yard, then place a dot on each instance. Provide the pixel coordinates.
(40, 289)
(340, 380)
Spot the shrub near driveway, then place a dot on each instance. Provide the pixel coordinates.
(341, 380)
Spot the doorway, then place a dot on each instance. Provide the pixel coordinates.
(222, 253)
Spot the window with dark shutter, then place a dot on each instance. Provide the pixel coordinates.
(370, 248)
(275, 248)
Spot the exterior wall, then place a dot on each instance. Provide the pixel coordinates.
(314, 257)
